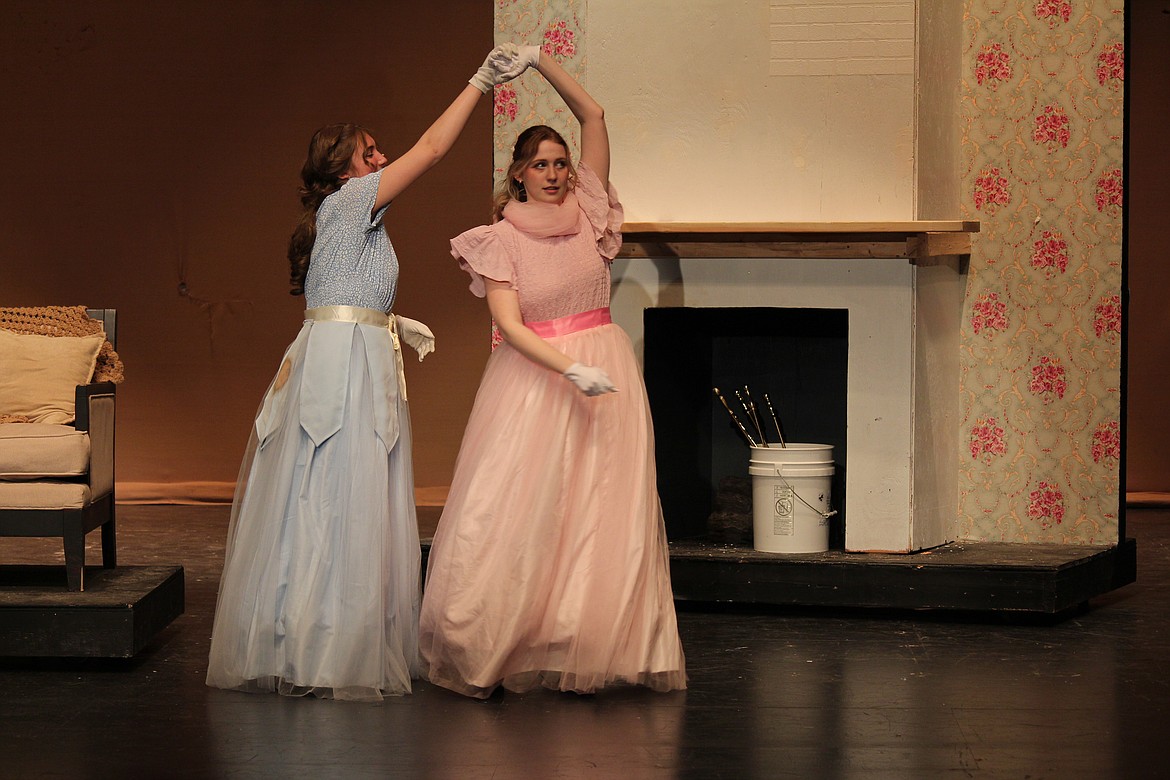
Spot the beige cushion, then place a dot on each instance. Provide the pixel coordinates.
(39, 450)
(43, 495)
(41, 373)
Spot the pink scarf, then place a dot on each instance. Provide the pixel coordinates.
(545, 220)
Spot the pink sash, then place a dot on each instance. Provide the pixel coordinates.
(571, 324)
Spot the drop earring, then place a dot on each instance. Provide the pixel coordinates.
(523, 193)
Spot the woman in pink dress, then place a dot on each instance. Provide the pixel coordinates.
(549, 566)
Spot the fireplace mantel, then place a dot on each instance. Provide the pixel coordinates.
(919, 241)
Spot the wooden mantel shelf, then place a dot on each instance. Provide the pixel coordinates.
(917, 240)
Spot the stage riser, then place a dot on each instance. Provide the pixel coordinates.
(917, 585)
(119, 613)
(1039, 579)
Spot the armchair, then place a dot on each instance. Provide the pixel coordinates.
(57, 475)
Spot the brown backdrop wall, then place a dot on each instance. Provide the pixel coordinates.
(152, 154)
(1148, 337)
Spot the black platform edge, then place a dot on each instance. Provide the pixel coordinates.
(120, 610)
(993, 577)
(1048, 580)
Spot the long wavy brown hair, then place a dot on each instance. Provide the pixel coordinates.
(527, 145)
(330, 151)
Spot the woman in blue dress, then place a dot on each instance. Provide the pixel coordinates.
(320, 587)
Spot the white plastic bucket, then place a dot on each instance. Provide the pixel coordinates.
(790, 497)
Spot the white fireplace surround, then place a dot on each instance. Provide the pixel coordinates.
(902, 402)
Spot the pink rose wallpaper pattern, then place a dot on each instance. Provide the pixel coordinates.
(555, 26)
(1042, 125)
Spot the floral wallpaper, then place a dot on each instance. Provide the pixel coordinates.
(1042, 125)
(1042, 152)
(555, 25)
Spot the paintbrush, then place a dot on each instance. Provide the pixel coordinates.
(734, 419)
(775, 421)
(751, 407)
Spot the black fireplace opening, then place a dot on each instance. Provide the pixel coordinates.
(798, 356)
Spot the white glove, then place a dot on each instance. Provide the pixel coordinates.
(517, 60)
(530, 55)
(590, 380)
(497, 68)
(416, 335)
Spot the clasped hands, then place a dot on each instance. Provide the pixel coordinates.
(504, 63)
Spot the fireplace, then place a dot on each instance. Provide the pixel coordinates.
(874, 315)
(797, 356)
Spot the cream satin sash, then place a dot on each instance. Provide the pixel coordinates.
(364, 316)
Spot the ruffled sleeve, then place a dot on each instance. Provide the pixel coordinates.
(483, 252)
(602, 209)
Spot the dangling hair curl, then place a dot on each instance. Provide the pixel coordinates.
(330, 151)
(527, 145)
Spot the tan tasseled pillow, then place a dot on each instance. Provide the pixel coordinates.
(39, 375)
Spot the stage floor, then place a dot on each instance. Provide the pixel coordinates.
(773, 691)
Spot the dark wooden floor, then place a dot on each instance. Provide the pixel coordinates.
(773, 693)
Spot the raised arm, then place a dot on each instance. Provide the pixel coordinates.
(433, 145)
(589, 113)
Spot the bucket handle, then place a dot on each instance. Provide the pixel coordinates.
(780, 475)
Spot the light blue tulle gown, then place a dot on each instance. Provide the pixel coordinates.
(320, 589)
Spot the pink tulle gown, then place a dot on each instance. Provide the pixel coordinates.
(550, 565)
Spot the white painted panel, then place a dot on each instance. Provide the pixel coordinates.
(702, 130)
(938, 292)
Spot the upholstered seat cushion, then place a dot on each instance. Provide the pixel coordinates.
(43, 495)
(41, 450)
